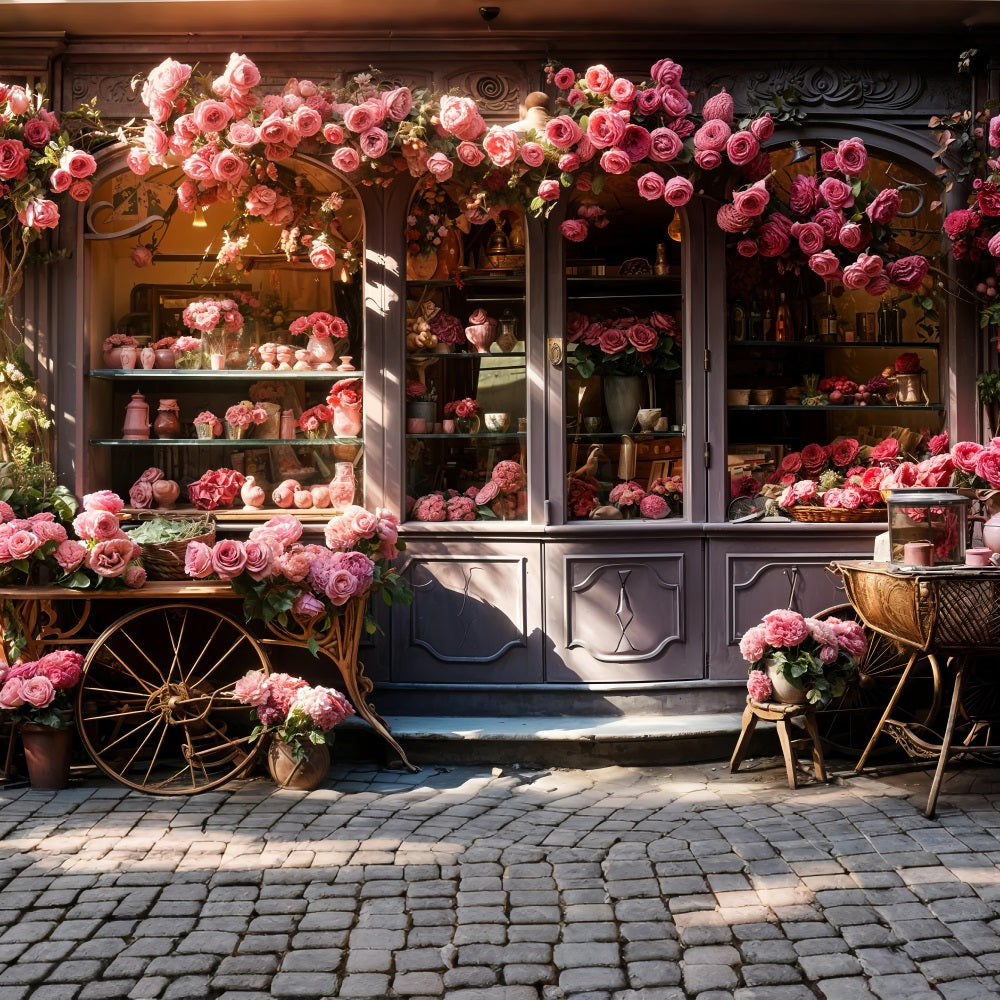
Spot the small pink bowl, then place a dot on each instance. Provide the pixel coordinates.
(978, 557)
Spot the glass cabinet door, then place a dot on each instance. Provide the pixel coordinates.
(466, 386)
(163, 382)
(624, 396)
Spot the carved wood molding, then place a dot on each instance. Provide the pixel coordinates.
(497, 93)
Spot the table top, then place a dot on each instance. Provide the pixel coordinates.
(949, 610)
(154, 590)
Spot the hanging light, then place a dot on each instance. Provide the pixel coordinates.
(199, 221)
(676, 228)
(801, 153)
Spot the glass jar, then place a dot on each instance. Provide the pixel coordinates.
(927, 527)
(342, 486)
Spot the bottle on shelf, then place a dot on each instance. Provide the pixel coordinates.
(662, 266)
(737, 321)
(829, 324)
(755, 322)
(767, 332)
(784, 330)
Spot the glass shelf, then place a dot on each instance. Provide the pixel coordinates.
(479, 435)
(825, 345)
(799, 408)
(247, 442)
(233, 375)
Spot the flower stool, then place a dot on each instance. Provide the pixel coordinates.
(782, 714)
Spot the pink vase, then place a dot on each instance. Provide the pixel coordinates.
(165, 493)
(321, 349)
(346, 421)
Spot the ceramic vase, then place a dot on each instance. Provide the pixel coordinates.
(321, 349)
(482, 335)
(991, 533)
(346, 421)
(782, 690)
(168, 420)
(623, 398)
(147, 358)
(164, 358)
(113, 358)
(303, 775)
(47, 753)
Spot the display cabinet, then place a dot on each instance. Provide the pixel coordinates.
(624, 419)
(158, 387)
(466, 426)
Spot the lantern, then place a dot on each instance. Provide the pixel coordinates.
(927, 527)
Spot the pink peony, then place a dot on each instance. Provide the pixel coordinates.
(784, 629)
(759, 686)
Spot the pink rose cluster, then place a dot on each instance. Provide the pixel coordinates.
(209, 418)
(37, 684)
(140, 493)
(316, 578)
(627, 494)
(448, 505)
(23, 540)
(36, 159)
(245, 414)
(320, 325)
(788, 632)
(211, 314)
(837, 223)
(624, 345)
(103, 547)
(216, 488)
(290, 706)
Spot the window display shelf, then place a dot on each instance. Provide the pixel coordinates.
(226, 375)
(234, 444)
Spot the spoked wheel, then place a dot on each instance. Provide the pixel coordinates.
(846, 725)
(155, 704)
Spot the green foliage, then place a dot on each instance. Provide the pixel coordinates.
(29, 485)
(988, 387)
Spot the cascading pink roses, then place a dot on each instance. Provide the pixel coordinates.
(282, 578)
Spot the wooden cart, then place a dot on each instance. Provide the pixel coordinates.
(154, 706)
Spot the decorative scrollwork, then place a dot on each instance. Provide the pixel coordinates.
(838, 87)
(497, 94)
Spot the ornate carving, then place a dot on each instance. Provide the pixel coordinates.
(498, 94)
(838, 87)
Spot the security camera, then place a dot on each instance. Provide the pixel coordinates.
(488, 13)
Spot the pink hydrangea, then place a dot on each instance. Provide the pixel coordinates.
(653, 506)
(784, 629)
(430, 508)
(759, 685)
(326, 707)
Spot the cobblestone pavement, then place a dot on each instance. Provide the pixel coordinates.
(608, 884)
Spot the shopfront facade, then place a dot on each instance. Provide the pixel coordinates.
(534, 610)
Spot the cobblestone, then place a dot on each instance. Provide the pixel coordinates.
(606, 884)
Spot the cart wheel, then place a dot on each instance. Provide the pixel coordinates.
(155, 704)
(846, 725)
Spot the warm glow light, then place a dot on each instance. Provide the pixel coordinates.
(198, 222)
(676, 228)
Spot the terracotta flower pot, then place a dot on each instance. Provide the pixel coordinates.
(305, 774)
(47, 753)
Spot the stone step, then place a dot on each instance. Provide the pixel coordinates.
(567, 741)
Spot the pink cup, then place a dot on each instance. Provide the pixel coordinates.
(416, 425)
(978, 557)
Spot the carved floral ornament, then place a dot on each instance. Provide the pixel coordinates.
(232, 143)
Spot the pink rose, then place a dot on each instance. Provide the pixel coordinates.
(642, 337)
(742, 147)
(375, 141)
(240, 76)
(708, 159)
(531, 154)
(965, 455)
(564, 78)
(678, 191)
(752, 201)
(500, 146)
(229, 558)
(360, 118)
(39, 213)
(38, 691)
(852, 157)
(70, 554)
(909, 272)
(469, 153)
(614, 161)
(574, 230)
(605, 128)
(397, 103)
(852, 236)
(988, 467)
(664, 145)
(613, 340)
(836, 193)
(212, 116)
(562, 132)
(111, 558)
(650, 186)
(599, 79)
(636, 143)
(763, 127)
(460, 117)
(713, 135)
(885, 207)
(809, 235)
(825, 264)
(22, 543)
(346, 159)
(548, 190)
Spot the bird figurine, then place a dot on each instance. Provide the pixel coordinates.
(588, 471)
(251, 494)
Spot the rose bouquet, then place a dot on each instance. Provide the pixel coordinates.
(447, 505)
(207, 424)
(320, 325)
(38, 692)
(314, 421)
(290, 710)
(119, 340)
(280, 577)
(346, 400)
(208, 315)
(627, 497)
(187, 352)
(669, 490)
(245, 414)
(504, 491)
(625, 345)
(819, 657)
(216, 488)
(462, 408)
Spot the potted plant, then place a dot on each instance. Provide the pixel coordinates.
(35, 696)
(795, 660)
(299, 719)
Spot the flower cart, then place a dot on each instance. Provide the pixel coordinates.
(947, 614)
(154, 708)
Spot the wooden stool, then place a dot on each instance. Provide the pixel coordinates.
(782, 715)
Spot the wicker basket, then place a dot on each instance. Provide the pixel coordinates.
(165, 561)
(836, 515)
